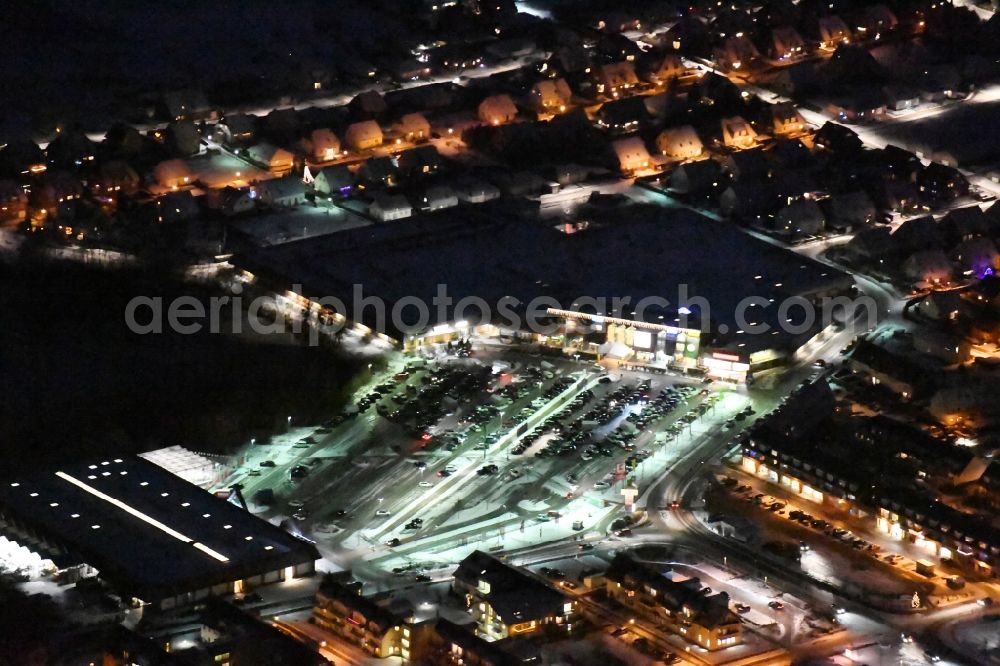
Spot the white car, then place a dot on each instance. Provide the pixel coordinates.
(601, 485)
(425, 484)
(382, 512)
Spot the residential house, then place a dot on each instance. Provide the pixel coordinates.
(977, 257)
(837, 139)
(231, 201)
(504, 50)
(737, 53)
(962, 224)
(419, 161)
(860, 104)
(321, 145)
(622, 116)
(411, 69)
(700, 178)
(507, 601)
(800, 218)
(378, 172)
(363, 135)
(793, 185)
(870, 245)
(497, 110)
(439, 197)
(186, 104)
(20, 157)
(750, 201)
(475, 191)
(791, 154)
(946, 347)
(388, 207)
(852, 210)
(927, 268)
(278, 161)
(115, 177)
(901, 164)
(938, 182)
(632, 154)
(918, 234)
(173, 174)
(665, 67)
(681, 604)
(901, 97)
(719, 90)
(666, 108)
(235, 131)
(738, 134)
(175, 207)
(941, 306)
(746, 165)
(786, 43)
(340, 609)
(412, 127)
(786, 121)
(285, 192)
(615, 79)
(877, 22)
(334, 181)
(832, 32)
(367, 105)
(455, 645)
(227, 635)
(800, 80)
(550, 96)
(182, 138)
(13, 202)
(282, 126)
(894, 195)
(680, 143)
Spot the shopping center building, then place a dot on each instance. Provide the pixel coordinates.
(641, 286)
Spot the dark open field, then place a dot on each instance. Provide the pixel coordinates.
(76, 381)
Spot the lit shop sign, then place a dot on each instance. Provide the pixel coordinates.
(726, 357)
(642, 340)
(634, 323)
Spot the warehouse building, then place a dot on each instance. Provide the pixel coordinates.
(150, 535)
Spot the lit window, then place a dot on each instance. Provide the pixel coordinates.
(205, 515)
(95, 527)
(33, 494)
(74, 515)
(144, 483)
(227, 527)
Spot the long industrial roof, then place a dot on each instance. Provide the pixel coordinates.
(493, 251)
(148, 532)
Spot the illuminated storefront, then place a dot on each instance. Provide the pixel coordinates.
(725, 366)
(653, 344)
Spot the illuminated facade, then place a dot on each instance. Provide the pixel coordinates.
(679, 604)
(340, 609)
(506, 601)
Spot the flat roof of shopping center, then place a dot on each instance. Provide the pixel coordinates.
(149, 533)
(503, 249)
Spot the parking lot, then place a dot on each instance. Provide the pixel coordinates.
(430, 457)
